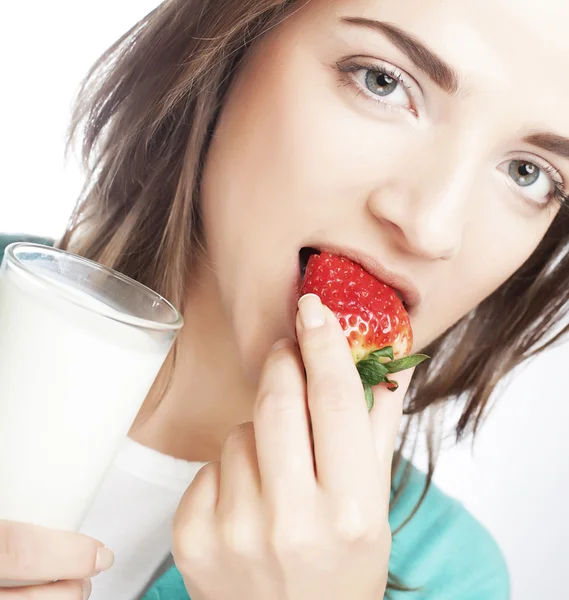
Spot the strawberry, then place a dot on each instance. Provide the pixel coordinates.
(371, 314)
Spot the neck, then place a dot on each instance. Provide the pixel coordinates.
(206, 394)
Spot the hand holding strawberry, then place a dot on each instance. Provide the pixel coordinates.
(297, 508)
(371, 314)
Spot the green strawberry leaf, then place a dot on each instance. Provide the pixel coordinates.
(406, 362)
(369, 396)
(386, 352)
(392, 386)
(371, 371)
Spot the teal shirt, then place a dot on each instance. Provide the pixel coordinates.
(443, 550)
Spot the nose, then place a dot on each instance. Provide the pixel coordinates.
(424, 211)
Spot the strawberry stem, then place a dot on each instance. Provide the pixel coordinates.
(373, 372)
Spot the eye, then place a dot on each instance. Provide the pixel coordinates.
(524, 173)
(383, 84)
(534, 181)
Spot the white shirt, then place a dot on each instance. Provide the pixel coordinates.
(132, 514)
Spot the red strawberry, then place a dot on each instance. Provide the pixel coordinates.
(371, 314)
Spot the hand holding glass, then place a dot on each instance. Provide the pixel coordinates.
(80, 347)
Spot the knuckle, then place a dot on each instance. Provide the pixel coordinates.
(279, 357)
(182, 544)
(183, 536)
(207, 475)
(334, 396)
(209, 470)
(279, 361)
(293, 542)
(188, 526)
(239, 538)
(276, 401)
(240, 434)
(188, 548)
(353, 527)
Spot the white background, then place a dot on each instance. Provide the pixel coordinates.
(516, 480)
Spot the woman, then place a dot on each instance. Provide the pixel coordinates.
(220, 139)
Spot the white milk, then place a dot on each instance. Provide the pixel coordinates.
(71, 384)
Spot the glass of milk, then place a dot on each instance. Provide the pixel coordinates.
(80, 347)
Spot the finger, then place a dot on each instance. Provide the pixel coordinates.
(193, 522)
(343, 441)
(202, 495)
(240, 483)
(282, 429)
(30, 552)
(239, 511)
(386, 417)
(62, 590)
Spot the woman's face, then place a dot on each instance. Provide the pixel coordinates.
(426, 134)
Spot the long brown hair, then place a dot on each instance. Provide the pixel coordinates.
(145, 113)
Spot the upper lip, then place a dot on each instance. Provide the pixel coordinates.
(410, 293)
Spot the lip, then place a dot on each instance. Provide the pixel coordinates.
(411, 295)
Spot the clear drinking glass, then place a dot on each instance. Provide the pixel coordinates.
(80, 347)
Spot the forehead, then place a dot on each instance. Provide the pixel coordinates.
(531, 25)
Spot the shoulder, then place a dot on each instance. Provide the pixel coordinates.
(443, 549)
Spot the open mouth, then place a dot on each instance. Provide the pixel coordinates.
(304, 256)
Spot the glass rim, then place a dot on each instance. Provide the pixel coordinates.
(105, 311)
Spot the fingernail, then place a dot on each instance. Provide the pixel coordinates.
(105, 559)
(311, 311)
(87, 587)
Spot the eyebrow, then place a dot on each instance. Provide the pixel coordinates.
(440, 72)
(551, 142)
(445, 77)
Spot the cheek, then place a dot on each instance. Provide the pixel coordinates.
(259, 168)
(291, 153)
(494, 248)
(500, 244)
(275, 176)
